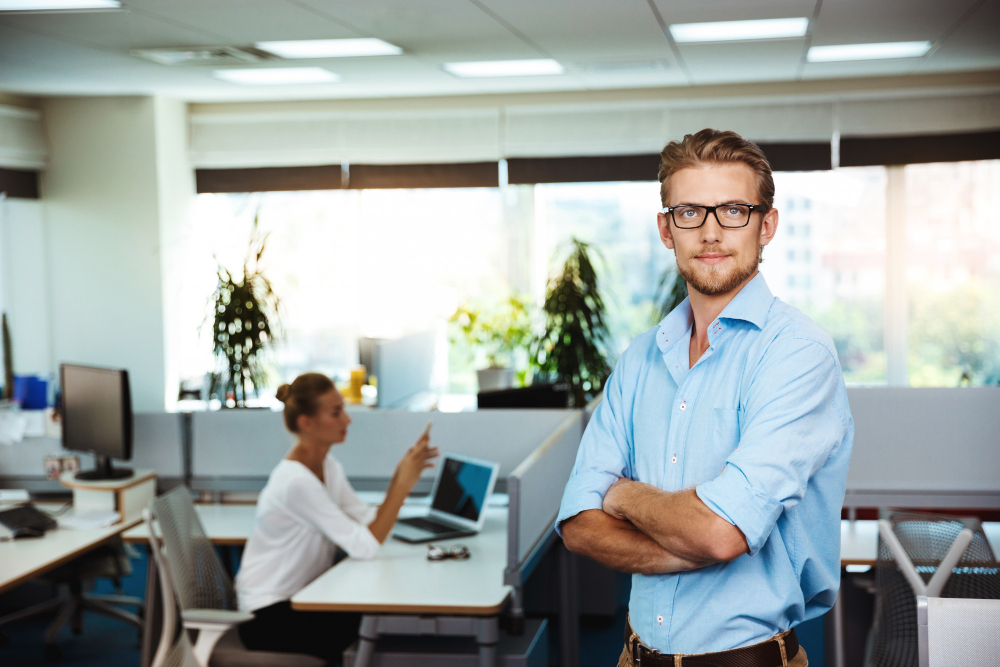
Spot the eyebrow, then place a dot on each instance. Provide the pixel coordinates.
(730, 201)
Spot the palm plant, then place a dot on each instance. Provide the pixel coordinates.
(245, 323)
(573, 345)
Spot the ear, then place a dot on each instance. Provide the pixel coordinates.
(663, 225)
(305, 423)
(768, 226)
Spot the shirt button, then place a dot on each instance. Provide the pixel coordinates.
(673, 459)
(684, 405)
(659, 619)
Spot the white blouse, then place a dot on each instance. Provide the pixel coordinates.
(300, 522)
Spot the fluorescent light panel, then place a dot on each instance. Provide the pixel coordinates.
(330, 48)
(491, 68)
(276, 76)
(730, 31)
(840, 52)
(55, 5)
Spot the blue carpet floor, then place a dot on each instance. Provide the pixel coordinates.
(107, 642)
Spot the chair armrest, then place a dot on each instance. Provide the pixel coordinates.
(211, 624)
(211, 618)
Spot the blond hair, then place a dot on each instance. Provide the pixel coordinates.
(708, 147)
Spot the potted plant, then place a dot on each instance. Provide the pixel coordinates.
(572, 347)
(244, 324)
(669, 293)
(495, 335)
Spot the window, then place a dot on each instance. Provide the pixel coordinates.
(382, 263)
(953, 273)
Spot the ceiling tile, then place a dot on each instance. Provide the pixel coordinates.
(723, 62)
(866, 22)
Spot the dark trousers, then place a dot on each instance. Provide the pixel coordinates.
(321, 633)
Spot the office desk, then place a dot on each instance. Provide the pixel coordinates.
(399, 588)
(25, 559)
(859, 541)
(225, 525)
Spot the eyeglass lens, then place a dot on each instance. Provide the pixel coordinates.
(730, 215)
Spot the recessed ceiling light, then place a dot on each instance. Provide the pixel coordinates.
(276, 76)
(486, 68)
(825, 54)
(330, 48)
(56, 5)
(728, 31)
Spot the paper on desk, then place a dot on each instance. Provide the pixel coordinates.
(14, 496)
(89, 519)
(13, 426)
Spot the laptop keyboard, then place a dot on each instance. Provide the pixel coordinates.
(429, 526)
(27, 516)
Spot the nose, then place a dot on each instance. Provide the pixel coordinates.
(711, 231)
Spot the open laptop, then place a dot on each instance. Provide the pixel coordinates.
(458, 501)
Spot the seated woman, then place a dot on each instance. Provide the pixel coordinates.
(305, 512)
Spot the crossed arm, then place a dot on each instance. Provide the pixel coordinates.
(642, 529)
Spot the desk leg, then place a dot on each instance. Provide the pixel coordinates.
(487, 636)
(837, 625)
(367, 636)
(153, 617)
(569, 621)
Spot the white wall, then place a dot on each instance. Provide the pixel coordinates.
(102, 203)
(24, 288)
(175, 184)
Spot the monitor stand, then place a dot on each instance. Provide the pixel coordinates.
(103, 470)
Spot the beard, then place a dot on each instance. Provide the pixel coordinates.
(713, 280)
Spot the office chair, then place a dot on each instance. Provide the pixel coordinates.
(109, 561)
(957, 633)
(929, 555)
(198, 595)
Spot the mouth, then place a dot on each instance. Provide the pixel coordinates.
(712, 258)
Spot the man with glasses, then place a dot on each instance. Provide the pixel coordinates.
(714, 469)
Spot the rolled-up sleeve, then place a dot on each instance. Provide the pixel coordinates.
(311, 503)
(793, 420)
(603, 455)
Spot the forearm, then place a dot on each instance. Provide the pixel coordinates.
(388, 511)
(679, 522)
(619, 545)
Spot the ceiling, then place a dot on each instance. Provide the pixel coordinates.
(602, 44)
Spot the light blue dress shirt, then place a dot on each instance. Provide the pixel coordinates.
(760, 426)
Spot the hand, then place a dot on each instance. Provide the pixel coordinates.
(416, 459)
(612, 498)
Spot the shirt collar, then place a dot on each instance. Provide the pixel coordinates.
(750, 304)
(674, 325)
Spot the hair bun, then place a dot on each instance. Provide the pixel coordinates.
(283, 393)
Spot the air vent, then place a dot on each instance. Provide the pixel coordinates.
(203, 55)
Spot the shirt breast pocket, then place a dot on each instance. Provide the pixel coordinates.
(725, 430)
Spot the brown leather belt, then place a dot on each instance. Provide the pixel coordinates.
(774, 652)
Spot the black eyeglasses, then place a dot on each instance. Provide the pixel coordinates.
(729, 216)
(458, 552)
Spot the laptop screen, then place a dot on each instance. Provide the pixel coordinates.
(462, 489)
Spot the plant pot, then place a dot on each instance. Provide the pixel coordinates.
(491, 379)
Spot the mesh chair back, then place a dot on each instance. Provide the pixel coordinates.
(963, 632)
(174, 648)
(199, 577)
(926, 539)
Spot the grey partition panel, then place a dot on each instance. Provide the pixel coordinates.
(403, 367)
(536, 487)
(378, 438)
(925, 447)
(158, 444)
(237, 443)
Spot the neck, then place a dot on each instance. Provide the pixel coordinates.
(704, 309)
(310, 451)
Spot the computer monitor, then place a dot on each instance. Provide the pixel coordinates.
(97, 417)
(532, 396)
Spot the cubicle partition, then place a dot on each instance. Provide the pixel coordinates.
(235, 450)
(925, 448)
(158, 445)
